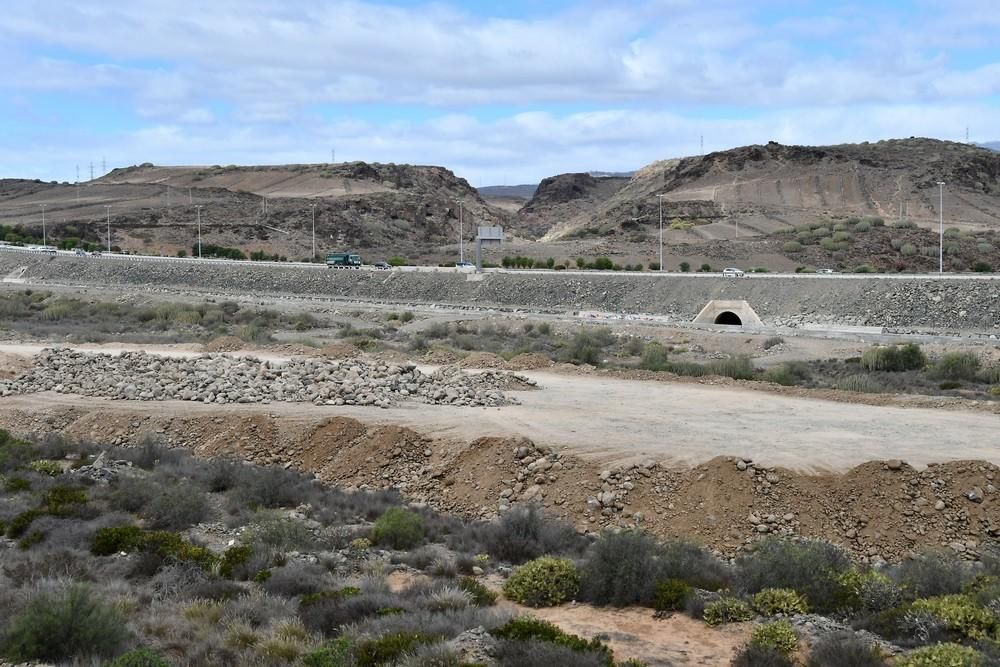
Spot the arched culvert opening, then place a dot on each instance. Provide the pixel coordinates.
(729, 317)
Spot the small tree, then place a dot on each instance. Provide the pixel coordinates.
(685, 266)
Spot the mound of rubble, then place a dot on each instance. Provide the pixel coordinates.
(224, 379)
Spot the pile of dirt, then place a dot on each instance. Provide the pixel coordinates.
(439, 357)
(13, 365)
(338, 351)
(224, 344)
(881, 510)
(484, 360)
(527, 361)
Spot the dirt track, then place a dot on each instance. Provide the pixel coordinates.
(683, 424)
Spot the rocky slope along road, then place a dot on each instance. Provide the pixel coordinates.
(224, 379)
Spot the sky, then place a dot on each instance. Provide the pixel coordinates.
(501, 93)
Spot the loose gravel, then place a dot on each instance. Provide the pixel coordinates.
(217, 378)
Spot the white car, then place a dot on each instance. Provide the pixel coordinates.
(465, 265)
(732, 273)
(825, 271)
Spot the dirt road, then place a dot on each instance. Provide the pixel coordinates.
(619, 420)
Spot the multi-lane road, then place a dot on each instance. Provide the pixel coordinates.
(106, 256)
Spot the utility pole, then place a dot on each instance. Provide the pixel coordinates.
(109, 227)
(702, 144)
(659, 199)
(198, 208)
(91, 171)
(461, 247)
(190, 196)
(313, 233)
(941, 227)
(333, 156)
(104, 166)
(44, 242)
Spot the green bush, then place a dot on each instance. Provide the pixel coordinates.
(334, 653)
(234, 557)
(787, 374)
(46, 467)
(481, 596)
(19, 525)
(894, 358)
(773, 341)
(955, 366)
(784, 601)
(387, 648)
(116, 539)
(525, 628)
(762, 656)
(942, 655)
(543, 582)
(685, 267)
(811, 567)
(655, 357)
(398, 528)
(139, 657)
(14, 453)
(737, 368)
(959, 613)
(670, 595)
(779, 636)
(727, 610)
(69, 624)
(621, 569)
(792, 247)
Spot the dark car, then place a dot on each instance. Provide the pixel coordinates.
(381, 266)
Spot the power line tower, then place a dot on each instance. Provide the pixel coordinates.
(91, 171)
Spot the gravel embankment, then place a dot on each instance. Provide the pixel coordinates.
(956, 305)
(223, 379)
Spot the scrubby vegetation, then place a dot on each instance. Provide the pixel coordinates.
(264, 566)
(45, 314)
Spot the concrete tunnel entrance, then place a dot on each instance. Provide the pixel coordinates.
(730, 318)
(729, 313)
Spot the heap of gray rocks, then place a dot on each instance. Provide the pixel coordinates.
(218, 378)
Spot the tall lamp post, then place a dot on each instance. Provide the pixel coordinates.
(941, 226)
(198, 208)
(108, 208)
(659, 199)
(461, 245)
(313, 258)
(43, 225)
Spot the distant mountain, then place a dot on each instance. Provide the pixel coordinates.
(525, 191)
(567, 199)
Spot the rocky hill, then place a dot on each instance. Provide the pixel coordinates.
(153, 209)
(566, 201)
(766, 188)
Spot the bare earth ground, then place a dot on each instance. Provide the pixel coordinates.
(615, 421)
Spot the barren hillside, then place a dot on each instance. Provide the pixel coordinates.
(564, 201)
(769, 187)
(153, 209)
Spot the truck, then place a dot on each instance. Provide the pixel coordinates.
(343, 260)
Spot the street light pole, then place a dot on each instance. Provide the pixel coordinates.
(941, 227)
(461, 247)
(198, 208)
(108, 208)
(659, 199)
(313, 258)
(43, 225)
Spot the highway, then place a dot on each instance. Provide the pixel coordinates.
(640, 275)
